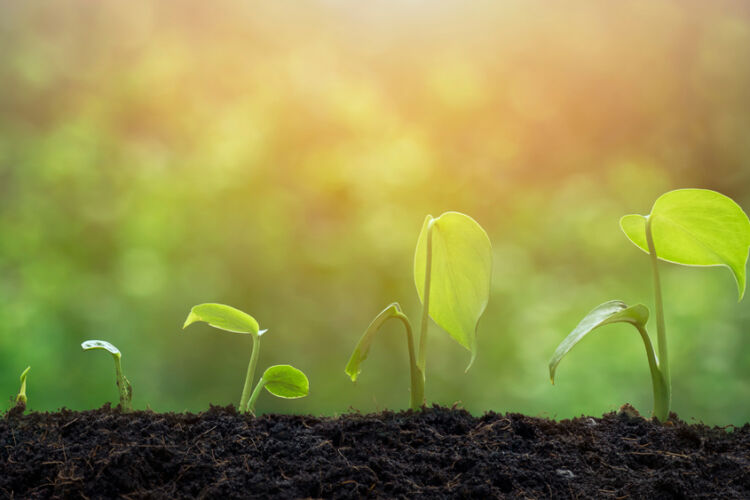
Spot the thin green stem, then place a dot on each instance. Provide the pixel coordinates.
(426, 299)
(417, 380)
(254, 395)
(661, 332)
(250, 376)
(661, 392)
(126, 391)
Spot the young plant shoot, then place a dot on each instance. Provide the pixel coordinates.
(691, 227)
(21, 398)
(282, 380)
(126, 391)
(452, 268)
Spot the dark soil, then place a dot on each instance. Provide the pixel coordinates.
(434, 453)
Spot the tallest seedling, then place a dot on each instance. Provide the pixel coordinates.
(452, 267)
(692, 227)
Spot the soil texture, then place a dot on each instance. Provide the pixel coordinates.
(434, 453)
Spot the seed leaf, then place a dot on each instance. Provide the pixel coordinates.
(695, 227)
(362, 349)
(461, 269)
(613, 311)
(223, 317)
(101, 344)
(286, 381)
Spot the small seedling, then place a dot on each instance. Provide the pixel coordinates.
(21, 398)
(281, 380)
(452, 267)
(126, 391)
(692, 227)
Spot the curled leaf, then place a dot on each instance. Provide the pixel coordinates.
(614, 311)
(101, 344)
(223, 317)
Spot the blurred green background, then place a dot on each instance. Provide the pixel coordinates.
(280, 157)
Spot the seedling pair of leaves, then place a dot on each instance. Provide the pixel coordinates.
(283, 381)
(452, 268)
(123, 384)
(691, 227)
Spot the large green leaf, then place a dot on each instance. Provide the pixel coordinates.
(460, 278)
(613, 311)
(223, 317)
(286, 381)
(695, 227)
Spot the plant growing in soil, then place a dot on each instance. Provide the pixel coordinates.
(452, 267)
(126, 391)
(692, 227)
(21, 398)
(280, 380)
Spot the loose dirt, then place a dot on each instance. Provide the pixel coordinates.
(435, 453)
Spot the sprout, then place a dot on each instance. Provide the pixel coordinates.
(126, 391)
(691, 227)
(281, 380)
(21, 398)
(452, 268)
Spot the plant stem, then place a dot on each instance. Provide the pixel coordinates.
(661, 392)
(426, 299)
(417, 380)
(661, 332)
(126, 391)
(254, 396)
(244, 404)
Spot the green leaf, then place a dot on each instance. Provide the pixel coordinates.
(286, 381)
(613, 311)
(223, 317)
(695, 227)
(101, 344)
(362, 349)
(460, 280)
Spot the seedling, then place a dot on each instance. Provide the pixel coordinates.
(692, 227)
(452, 267)
(126, 391)
(21, 398)
(281, 380)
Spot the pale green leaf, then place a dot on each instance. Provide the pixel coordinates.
(695, 227)
(461, 269)
(613, 311)
(362, 349)
(223, 317)
(101, 344)
(286, 381)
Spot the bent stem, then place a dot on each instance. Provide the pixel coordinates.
(426, 301)
(661, 391)
(123, 384)
(661, 333)
(246, 397)
(416, 399)
(254, 396)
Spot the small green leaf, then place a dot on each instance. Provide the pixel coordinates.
(695, 227)
(362, 349)
(460, 280)
(101, 344)
(613, 311)
(286, 381)
(223, 317)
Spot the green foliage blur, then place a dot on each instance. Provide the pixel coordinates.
(280, 157)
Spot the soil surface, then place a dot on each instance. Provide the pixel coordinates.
(434, 453)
